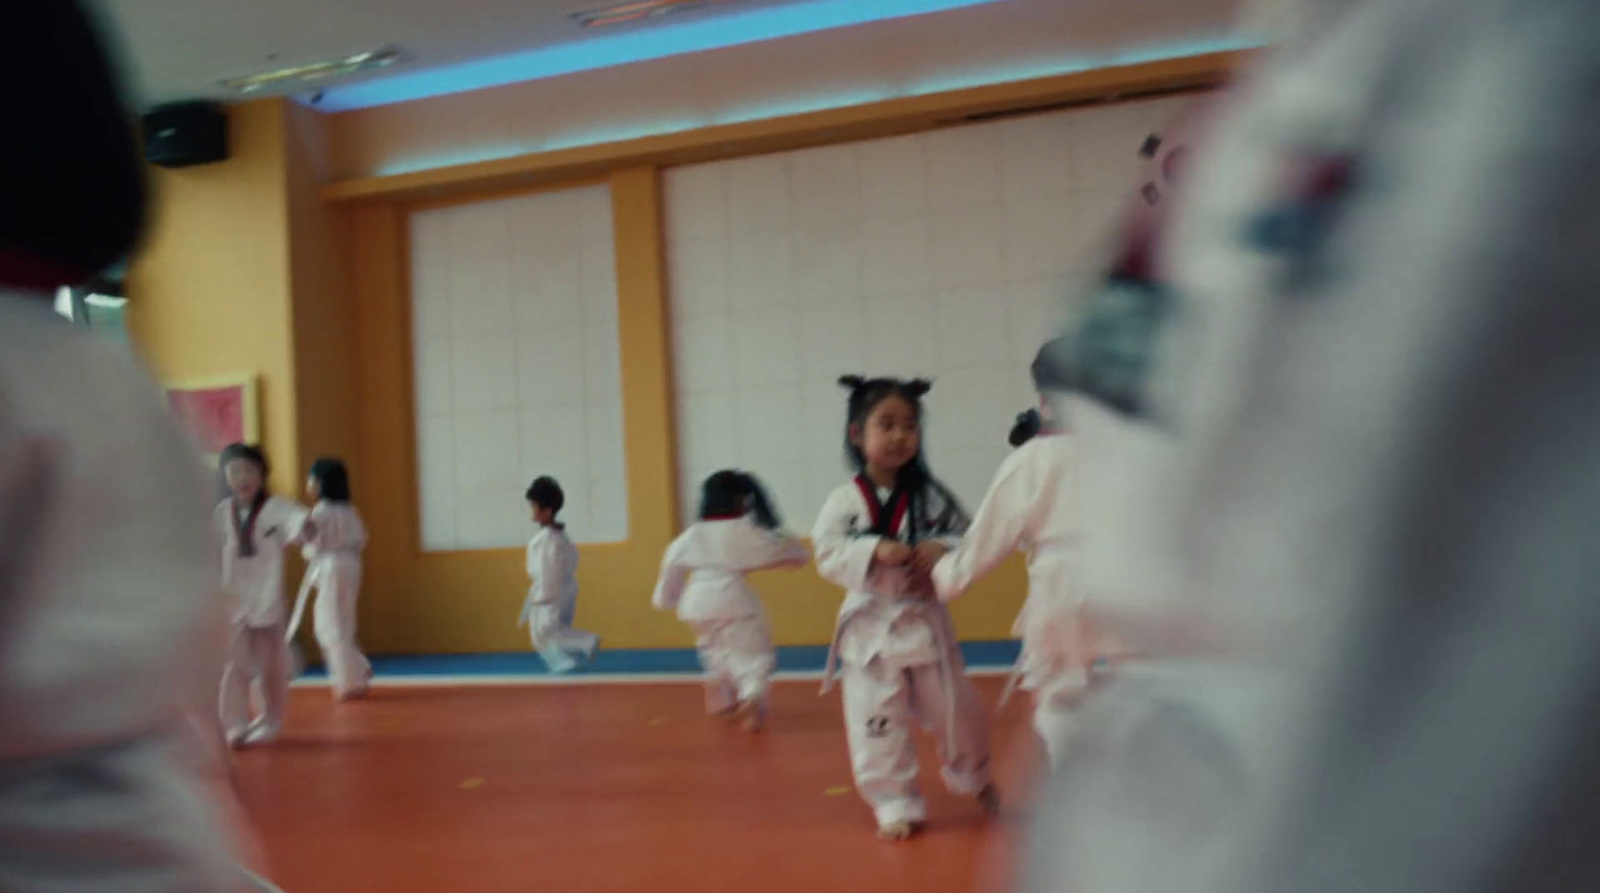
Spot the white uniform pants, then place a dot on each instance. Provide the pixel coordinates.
(1058, 694)
(338, 586)
(881, 705)
(738, 660)
(561, 646)
(258, 659)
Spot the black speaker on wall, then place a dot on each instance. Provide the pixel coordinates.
(186, 133)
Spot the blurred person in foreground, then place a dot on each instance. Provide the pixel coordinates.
(110, 631)
(1368, 429)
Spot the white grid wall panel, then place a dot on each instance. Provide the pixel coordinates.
(952, 254)
(517, 367)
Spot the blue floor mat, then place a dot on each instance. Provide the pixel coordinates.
(796, 658)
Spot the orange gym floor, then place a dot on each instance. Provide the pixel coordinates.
(601, 787)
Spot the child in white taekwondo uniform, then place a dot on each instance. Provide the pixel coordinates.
(1037, 503)
(333, 544)
(553, 584)
(112, 637)
(255, 527)
(1381, 374)
(894, 644)
(738, 533)
(113, 633)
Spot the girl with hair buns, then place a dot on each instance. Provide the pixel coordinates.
(894, 645)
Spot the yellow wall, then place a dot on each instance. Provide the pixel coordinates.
(210, 290)
(322, 315)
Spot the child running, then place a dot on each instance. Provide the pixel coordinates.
(333, 543)
(255, 528)
(738, 532)
(1034, 504)
(894, 644)
(553, 584)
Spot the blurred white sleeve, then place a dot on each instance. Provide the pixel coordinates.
(1002, 523)
(777, 548)
(669, 586)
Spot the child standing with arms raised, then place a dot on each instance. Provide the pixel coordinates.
(553, 584)
(895, 645)
(738, 533)
(255, 528)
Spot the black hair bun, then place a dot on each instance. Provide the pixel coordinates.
(917, 387)
(1028, 426)
(853, 382)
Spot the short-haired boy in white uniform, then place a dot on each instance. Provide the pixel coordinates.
(553, 584)
(255, 528)
(738, 533)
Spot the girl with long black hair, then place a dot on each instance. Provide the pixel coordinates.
(703, 579)
(894, 645)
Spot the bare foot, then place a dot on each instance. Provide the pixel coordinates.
(989, 799)
(260, 733)
(897, 831)
(754, 715)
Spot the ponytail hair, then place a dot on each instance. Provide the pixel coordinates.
(733, 494)
(333, 479)
(1028, 426)
(761, 507)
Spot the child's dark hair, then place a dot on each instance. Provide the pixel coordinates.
(1028, 426)
(546, 493)
(865, 396)
(248, 452)
(1055, 367)
(732, 494)
(333, 479)
(1054, 371)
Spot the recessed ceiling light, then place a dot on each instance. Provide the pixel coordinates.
(619, 13)
(314, 71)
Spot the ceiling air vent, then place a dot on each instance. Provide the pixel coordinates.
(638, 10)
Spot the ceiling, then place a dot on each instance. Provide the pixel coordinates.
(180, 49)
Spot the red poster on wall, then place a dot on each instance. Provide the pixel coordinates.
(216, 413)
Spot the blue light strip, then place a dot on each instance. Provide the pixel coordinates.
(778, 108)
(725, 30)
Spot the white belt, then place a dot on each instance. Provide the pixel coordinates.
(941, 643)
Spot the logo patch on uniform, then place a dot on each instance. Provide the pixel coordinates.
(878, 727)
(1295, 226)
